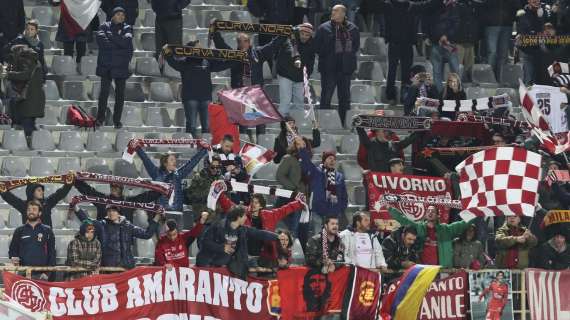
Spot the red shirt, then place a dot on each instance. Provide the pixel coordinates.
(429, 254)
(176, 252)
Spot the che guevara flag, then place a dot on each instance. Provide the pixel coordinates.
(307, 293)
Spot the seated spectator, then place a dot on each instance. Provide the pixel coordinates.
(330, 198)
(118, 236)
(277, 254)
(513, 243)
(197, 192)
(33, 244)
(468, 252)
(398, 248)
(84, 251)
(169, 173)
(380, 150)
(362, 248)
(31, 39)
(453, 91)
(172, 248)
(422, 87)
(225, 243)
(555, 253)
(35, 192)
(435, 238)
(116, 194)
(316, 257)
(287, 135)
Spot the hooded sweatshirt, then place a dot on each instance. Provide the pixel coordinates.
(83, 253)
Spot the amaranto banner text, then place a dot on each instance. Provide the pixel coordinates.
(380, 183)
(146, 293)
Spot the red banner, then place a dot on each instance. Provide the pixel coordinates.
(546, 294)
(249, 106)
(364, 298)
(446, 299)
(145, 293)
(380, 183)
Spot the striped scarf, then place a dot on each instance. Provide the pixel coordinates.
(325, 243)
(160, 187)
(499, 101)
(331, 181)
(129, 152)
(150, 207)
(16, 183)
(343, 42)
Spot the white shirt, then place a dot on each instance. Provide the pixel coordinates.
(363, 254)
(549, 99)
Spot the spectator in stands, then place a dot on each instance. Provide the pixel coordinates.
(172, 248)
(248, 74)
(315, 256)
(453, 91)
(168, 22)
(499, 18)
(31, 39)
(35, 192)
(71, 38)
(196, 86)
(469, 32)
(12, 22)
(25, 88)
(301, 11)
(289, 131)
(435, 238)
(84, 251)
(169, 173)
(337, 43)
(555, 253)
(531, 21)
(398, 248)
(225, 243)
(232, 165)
(115, 40)
(131, 9)
(197, 192)
(330, 198)
(561, 16)
(295, 55)
(513, 243)
(352, 8)
(402, 19)
(422, 87)
(362, 248)
(118, 236)
(468, 252)
(396, 166)
(380, 150)
(277, 254)
(116, 194)
(443, 31)
(33, 244)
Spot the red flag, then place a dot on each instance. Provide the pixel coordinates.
(307, 293)
(249, 106)
(76, 15)
(220, 125)
(254, 157)
(364, 297)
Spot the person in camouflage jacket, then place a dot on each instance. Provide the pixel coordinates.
(197, 192)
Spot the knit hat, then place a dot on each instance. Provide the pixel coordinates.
(307, 27)
(117, 9)
(327, 154)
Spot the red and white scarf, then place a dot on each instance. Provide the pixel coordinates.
(16, 183)
(150, 207)
(129, 153)
(160, 187)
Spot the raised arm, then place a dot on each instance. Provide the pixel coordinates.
(267, 51)
(401, 218)
(15, 202)
(187, 168)
(150, 167)
(316, 142)
(85, 189)
(306, 164)
(60, 194)
(219, 41)
(363, 138)
(147, 233)
(261, 235)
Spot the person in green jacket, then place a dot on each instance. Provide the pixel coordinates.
(436, 239)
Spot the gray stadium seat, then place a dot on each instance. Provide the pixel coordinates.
(124, 169)
(99, 141)
(267, 172)
(45, 38)
(41, 166)
(70, 141)
(359, 196)
(371, 70)
(189, 21)
(157, 117)
(145, 248)
(58, 219)
(122, 139)
(132, 117)
(61, 243)
(67, 164)
(50, 116)
(510, 75)
(148, 41)
(206, 16)
(349, 144)
(482, 73)
(161, 92)
(88, 65)
(140, 218)
(267, 140)
(179, 117)
(149, 19)
(42, 140)
(302, 123)
(329, 120)
(14, 140)
(14, 167)
(63, 66)
(74, 90)
(242, 16)
(147, 66)
(51, 90)
(351, 170)
(44, 15)
(14, 218)
(479, 92)
(134, 92)
(328, 143)
(96, 89)
(97, 165)
(376, 47)
(363, 94)
(170, 72)
(218, 2)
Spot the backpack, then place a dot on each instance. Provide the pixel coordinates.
(78, 117)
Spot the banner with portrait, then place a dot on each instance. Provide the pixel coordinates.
(490, 295)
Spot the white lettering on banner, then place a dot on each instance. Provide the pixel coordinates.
(221, 284)
(186, 280)
(408, 184)
(153, 288)
(170, 285)
(181, 316)
(204, 293)
(544, 296)
(238, 286)
(91, 299)
(74, 307)
(134, 295)
(109, 300)
(254, 296)
(88, 304)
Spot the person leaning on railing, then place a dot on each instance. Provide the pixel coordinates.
(84, 251)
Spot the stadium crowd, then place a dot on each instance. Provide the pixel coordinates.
(247, 233)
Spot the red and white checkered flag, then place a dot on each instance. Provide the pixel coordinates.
(500, 181)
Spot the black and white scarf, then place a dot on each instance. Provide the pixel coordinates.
(330, 175)
(486, 103)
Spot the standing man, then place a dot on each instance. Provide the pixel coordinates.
(131, 9)
(362, 248)
(513, 243)
(168, 22)
(317, 257)
(531, 22)
(499, 17)
(172, 248)
(12, 22)
(115, 40)
(337, 43)
(469, 32)
(33, 244)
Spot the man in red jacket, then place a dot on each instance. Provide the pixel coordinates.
(172, 248)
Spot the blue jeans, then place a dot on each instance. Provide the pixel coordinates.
(291, 95)
(439, 56)
(191, 109)
(531, 62)
(498, 41)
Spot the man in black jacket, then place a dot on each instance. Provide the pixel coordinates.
(531, 22)
(33, 244)
(469, 32)
(35, 192)
(225, 243)
(499, 17)
(398, 248)
(337, 43)
(380, 150)
(168, 22)
(12, 22)
(555, 253)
